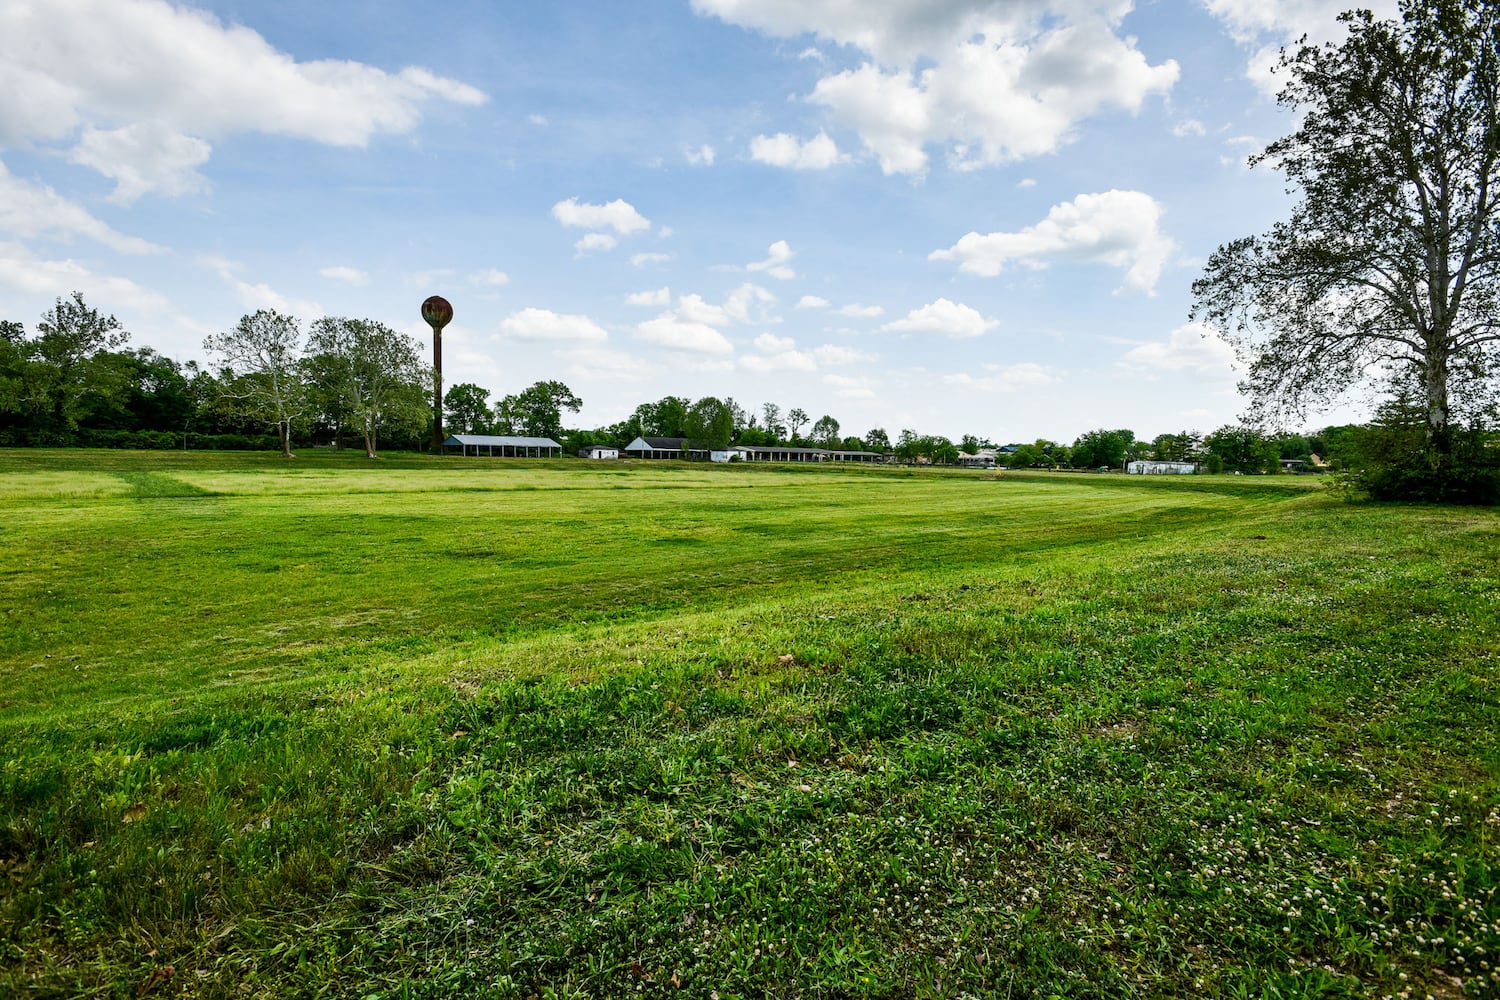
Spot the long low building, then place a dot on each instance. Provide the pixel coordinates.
(778, 453)
(1153, 468)
(503, 446)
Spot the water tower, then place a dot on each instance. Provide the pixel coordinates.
(438, 313)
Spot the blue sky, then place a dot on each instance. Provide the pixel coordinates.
(952, 216)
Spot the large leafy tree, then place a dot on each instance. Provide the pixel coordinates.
(771, 417)
(667, 417)
(796, 419)
(826, 432)
(158, 393)
(467, 409)
(710, 423)
(738, 413)
(12, 369)
(70, 367)
(1180, 447)
(261, 359)
(1100, 448)
(908, 445)
(1242, 449)
(1387, 273)
(379, 375)
(537, 410)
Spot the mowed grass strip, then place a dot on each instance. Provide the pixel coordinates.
(186, 581)
(757, 733)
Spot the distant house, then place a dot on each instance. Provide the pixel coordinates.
(598, 451)
(984, 458)
(662, 447)
(503, 446)
(1150, 468)
(720, 455)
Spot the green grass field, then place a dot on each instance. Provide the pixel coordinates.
(459, 728)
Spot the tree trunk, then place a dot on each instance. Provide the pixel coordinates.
(1435, 404)
(370, 445)
(284, 431)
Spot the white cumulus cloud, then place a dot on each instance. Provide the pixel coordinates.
(618, 215)
(1116, 228)
(785, 150)
(148, 84)
(750, 303)
(700, 156)
(605, 365)
(950, 319)
(783, 361)
(30, 210)
(1004, 378)
(813, 302)
(772, 344)
(991, 81)
(850, 387)
(837, 354)
(1264, 26)
(1193, 349)
(143, 157)
(259, 295)
(692, 308)
(675, 334)
(21, 271)
(348, 275)
(776, 264)
(657, 297)
(592, 242)
(861, 312)
(780, 354)
(546, 325)
(489, 278)
(642, 259)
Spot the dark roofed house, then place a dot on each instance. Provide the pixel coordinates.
(662, 447)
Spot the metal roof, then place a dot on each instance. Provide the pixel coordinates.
(497, 441)
(657, 444)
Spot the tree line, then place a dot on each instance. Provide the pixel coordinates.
(268, 384)
(74, 380)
